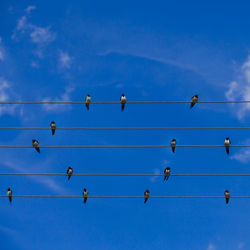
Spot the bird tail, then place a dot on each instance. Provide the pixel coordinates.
(53, 131)
(165, 178)
(227, 200)
(123, 106)
(10, 199)
(227, 149)
(145, 200)
(69, 177)
(87, 106)
(173, 149)
(38, 150)
(85, 200)
(192, 104)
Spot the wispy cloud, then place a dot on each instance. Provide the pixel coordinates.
(243, 155)
(211, 246)
(240, 89)
(41, 36)
(2, 56)
(59, 107)
(64, 60)
(6, 94)
(241, 245)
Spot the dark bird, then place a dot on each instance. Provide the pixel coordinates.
(85, 195)
(227, 144)
(53, 127)
(69, 172)
(35, 145)
(146, 196)
(195, 99)
(166, 173)
(227, 196)
(87, 101)
(9, 194)
(123, 101)
(173, 145)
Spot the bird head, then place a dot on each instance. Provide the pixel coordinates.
(196, 96)
(8, 189)
(123, 95)
(84, 189)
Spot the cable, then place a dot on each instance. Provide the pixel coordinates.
(126, 197)
(117, 102)
(131, 128)
(126, 175)
(128, 146)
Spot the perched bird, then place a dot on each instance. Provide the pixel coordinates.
(173, 145)
(85, 195)
(123, 101)
(227, 196)
(87, 101)
(9, 194)
(166, 173)
(35, 145)
(146, 196)
(69, 172)
(53, 127)
(195, 99)
(227, 143)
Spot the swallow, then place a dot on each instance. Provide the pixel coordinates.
(173, 145)
(123, 101)
(35, 145)
(195, 99)
(166, 173)
(9, 194)
(227, 196)
(87, 101)
(227, 143)
(53, 127)
(69, 172)
(146, 195)
(85, 195)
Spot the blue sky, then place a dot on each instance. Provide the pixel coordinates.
(161, 50)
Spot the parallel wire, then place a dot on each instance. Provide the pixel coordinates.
(128, 128)
(126, 175)
(117, 102)
(126, 197)
(128, 146)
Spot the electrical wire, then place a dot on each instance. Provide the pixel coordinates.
(117, 174)
(131, 128)
(126, 197)
(128, 146)
(118, 102)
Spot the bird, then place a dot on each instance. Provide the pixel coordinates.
(227, 143)
(195, 99)
(9, 194)
(227, 196)
(87, 101)
(35, 145)
(166, 173)
(123, 101)
(69, 172)
(53, 127)
(173, 145)
(146, 195)
(85, 195)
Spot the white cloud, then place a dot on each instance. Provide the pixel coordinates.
(211, 247)
(242, 156)
(6, 93)
(240, 90)
(64, 60)
(42, 36)
(59, 107)
(30, 8)
(1, 50)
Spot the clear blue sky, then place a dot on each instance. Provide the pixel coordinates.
(157, 50)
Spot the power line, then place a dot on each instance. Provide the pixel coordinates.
(126, 197)
(117, 102)
(116, 174)
(128, 128)
(127, 146)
